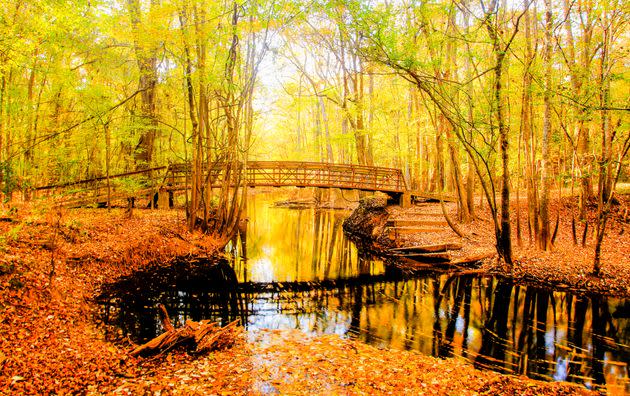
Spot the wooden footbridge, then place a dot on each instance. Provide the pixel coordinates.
(176, 177)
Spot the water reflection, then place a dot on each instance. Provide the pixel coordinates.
(288, 245)
(300, 272)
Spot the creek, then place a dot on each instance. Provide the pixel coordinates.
(295, 269)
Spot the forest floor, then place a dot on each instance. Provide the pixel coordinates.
(54, 263)
(567, 266)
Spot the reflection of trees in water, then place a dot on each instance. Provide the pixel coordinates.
(495, 332)
(600, 313)
(188, 290)
(300, 244)
(538, 356)
(514, 329)
(491, 322)
(526, 334)
(330, 248)
(570, 347)
(462, 291)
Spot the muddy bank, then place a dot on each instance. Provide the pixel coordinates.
(567, 267)
(378, 228)
(366, 226)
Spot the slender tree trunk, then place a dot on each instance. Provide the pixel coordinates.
(108, 143)
(503, 232)
(451, 70)
(329, 150)
(529, 138)
(544, 240)
(579, 75)
(146, 59)
(605, 181)
(3, 166)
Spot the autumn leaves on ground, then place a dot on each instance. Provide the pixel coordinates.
(54, 262)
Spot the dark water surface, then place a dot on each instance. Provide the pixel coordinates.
(296, 270)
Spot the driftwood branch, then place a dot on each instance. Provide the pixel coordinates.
(166, 321)
(200, 337)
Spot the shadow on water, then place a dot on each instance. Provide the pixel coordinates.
(294, 269)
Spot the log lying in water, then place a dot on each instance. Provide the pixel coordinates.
(439, 257)
(472, 259)
(426, 248)
(201, 337)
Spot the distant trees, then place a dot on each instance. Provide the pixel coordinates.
(117, 85)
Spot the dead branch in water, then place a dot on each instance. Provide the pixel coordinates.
(201, 337)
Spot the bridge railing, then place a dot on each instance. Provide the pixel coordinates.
(312, 174)
(103, 189)
(301, 174)
(257, 173)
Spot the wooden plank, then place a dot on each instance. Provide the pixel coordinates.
(432, 196)
(431, 214)
(116, 195)
(473, 258)
(101, 178)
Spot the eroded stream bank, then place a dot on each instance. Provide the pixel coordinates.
(567, 267)
(294, 269)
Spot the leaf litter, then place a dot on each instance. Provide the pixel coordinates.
(55, 263)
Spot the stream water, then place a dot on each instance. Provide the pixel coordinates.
(294, 269)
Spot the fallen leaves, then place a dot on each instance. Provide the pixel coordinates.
(567, 266)
(48, 343)
(47, 337)
(289, 362)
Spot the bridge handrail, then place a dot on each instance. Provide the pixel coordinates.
(99, 178)
(185, 166)
(315, 174)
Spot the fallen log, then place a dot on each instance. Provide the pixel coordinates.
(427, 248)
(473, 258)
(161, 343)
(439, 257)
(166, 321)
(220, 338)
(200, 337)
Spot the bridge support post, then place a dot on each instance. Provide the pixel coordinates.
(405, 200)
(163, 201)
(401, 199)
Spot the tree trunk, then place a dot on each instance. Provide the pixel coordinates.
(544, 240)
(529, 138)
(503, 232)
(146, 58)
(605, 181)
